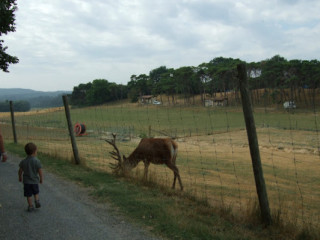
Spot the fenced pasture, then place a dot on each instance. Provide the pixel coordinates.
(213, 158)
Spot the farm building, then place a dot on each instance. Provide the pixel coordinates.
(221, 101)
(146, 99)
(216, 102)
(149, 99)
(208, 103)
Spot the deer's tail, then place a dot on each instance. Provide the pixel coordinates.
(174, 151)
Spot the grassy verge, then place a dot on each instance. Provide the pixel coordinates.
(171, 214)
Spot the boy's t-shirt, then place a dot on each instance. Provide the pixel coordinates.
(30, 166)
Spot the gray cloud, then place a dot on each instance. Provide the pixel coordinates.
(64, 43)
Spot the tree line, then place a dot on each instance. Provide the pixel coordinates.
(19, 106)
(281, 80)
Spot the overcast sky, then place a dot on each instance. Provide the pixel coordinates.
(62, 43)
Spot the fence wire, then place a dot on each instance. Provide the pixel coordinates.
(213, 157)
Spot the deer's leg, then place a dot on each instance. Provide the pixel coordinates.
(146, 166)
(174, 180)
(179, 179)
(181, 187)
(176, 175)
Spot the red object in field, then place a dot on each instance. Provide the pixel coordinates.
(80, 129)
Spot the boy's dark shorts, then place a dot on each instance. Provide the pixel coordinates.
(30, 189)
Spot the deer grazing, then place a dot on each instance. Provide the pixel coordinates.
(149, 150)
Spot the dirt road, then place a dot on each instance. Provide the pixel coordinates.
(67, 212)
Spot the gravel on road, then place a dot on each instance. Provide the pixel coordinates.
(67, 211)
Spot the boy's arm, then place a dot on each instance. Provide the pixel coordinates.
(20, 174)
(40, 175)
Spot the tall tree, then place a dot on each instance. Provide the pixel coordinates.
(185, 82)
(138, 86)
(273, 74)
(7, 24)
(222, 74)
(99, 92)
(155, 77)
(168, 85)
(79, 94)
(133, 91)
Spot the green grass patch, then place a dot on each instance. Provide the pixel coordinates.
(169, 213)
(174, 121)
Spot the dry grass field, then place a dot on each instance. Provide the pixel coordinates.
(213, 159)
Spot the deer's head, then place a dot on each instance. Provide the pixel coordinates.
(123, 164)
(128, 163)
(118, 167)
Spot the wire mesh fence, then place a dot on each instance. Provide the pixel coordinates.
(213, 157)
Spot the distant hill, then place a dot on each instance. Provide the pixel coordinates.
(13, 94)
(37, 99)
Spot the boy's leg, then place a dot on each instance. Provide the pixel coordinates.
(29, 199)
(36, 195)
(30, 206)
(36, 200)
(28, 195)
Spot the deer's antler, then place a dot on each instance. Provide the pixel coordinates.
(115, 154)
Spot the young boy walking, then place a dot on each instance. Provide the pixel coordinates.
(31, 169)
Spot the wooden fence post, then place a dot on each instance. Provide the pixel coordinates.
(73, 139)
(254, 145)
(13, 123)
